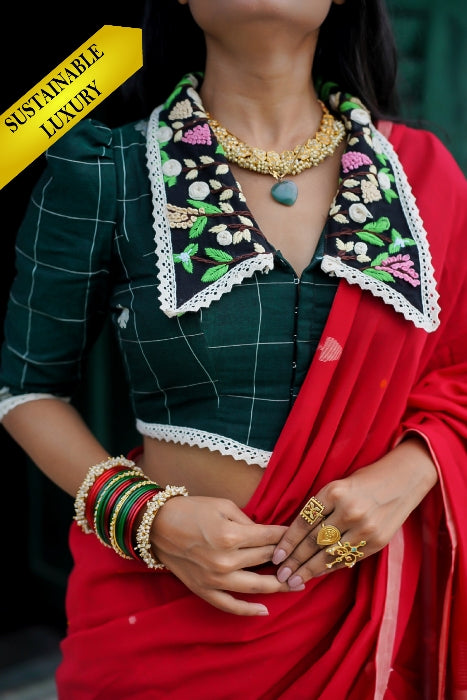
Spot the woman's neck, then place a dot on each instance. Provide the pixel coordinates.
(267, 102)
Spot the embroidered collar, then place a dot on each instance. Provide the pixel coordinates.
(207, 240)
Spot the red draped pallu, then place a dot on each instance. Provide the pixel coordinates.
(391, 627)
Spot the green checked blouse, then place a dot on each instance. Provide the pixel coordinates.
(223, 375)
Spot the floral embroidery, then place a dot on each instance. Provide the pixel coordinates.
(200, 134)
(213, 241)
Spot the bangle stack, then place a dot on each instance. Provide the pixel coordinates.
(109, 502)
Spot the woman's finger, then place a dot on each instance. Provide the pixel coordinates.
(348, 552)
(311, 514)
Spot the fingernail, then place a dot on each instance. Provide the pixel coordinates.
(295, 581)
(297, 588)
(262, 610)
(284, 574)
(278, 556)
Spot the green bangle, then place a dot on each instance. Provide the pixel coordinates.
(122, 516)
(103, 499)
(121, 501)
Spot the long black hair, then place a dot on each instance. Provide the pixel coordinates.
(356, 49)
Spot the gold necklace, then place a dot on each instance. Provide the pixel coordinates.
(318, 147)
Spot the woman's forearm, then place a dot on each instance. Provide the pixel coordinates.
(56, 438)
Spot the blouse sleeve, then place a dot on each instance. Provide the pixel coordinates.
(59, 296)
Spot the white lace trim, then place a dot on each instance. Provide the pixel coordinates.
(263, 262)
(201, 438)
(9, 402)
(428, 319)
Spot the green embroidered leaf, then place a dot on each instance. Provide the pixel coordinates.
(349, 105)
(382, 224)
(164, 156)
(191, 249)
(170, 180)
(326, 89)
(389, 195)
(187, 265)
(220, 149)
(379, 259)
(208, 208)
(198, 227)
(382, 158)
(214, 273)
(370, 238)
(391, 177)
(379, 275)
(219, 255)
(385, 170)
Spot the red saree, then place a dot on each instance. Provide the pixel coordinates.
(391, 627)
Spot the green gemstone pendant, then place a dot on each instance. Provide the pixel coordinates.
(285, 192)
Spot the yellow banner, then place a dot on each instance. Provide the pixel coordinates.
(66, 95)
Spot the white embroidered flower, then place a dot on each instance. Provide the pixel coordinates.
(224, 238)
(359, 213)
(142, 126)
(384, 181)
(360, 248)
(164, 133)
(123, 317)
(360, 116)
(198, 190)
(184, 257)
(172, 167)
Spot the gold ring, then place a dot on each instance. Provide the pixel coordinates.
(312, 510)
(348, 553)
(329, 534)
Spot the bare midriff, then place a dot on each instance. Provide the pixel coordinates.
(203, 472)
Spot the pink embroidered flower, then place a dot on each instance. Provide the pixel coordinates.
(200, 134)
(400, 266)
(352, 160)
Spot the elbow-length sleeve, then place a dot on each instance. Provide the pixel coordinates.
(59, 296)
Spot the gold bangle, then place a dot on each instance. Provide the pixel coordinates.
(143, 541)
(92, 474)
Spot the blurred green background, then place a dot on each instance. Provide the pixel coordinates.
(431, 38)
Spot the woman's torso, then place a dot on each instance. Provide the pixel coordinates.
(295, 232)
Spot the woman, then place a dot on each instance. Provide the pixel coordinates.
(295, 349)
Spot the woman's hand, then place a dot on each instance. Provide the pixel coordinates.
(208, 543)
(370, 505)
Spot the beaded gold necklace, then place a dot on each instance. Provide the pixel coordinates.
(318, 147)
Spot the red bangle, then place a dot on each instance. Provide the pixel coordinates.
(107, 515)
(132, 515)
(94, 490)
